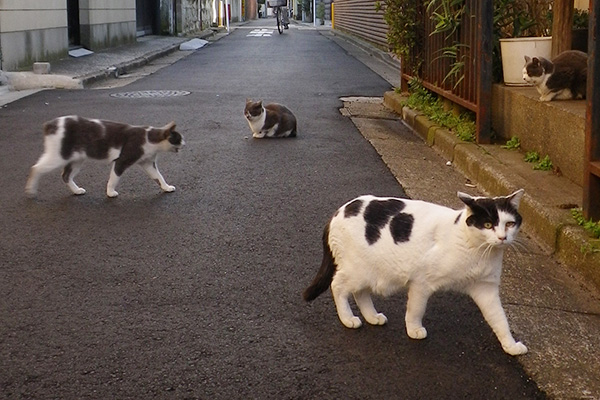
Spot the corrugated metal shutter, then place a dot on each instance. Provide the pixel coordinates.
(359, 18)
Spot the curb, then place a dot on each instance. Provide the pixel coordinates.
(552, 226)
(138, 62)
(367, 48)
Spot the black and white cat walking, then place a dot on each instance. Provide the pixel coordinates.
(70, 140)
(376, 245)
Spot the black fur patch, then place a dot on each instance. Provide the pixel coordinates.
(486, 210)
(353, 209)
(377, 215)
(401, 227)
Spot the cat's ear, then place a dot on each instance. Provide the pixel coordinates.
(466, 198)
(535, 61)
(515, 198)
(170, 126)
(527, 59)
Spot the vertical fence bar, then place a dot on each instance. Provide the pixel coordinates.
(484, 71)
(591, 179)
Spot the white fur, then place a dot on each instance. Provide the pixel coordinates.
(256, 124)
(440, 254)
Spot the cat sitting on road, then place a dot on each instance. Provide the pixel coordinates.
(381, 245)
(563, 78)
(271, 120)
(70, 140)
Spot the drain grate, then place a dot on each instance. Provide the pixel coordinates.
(144, 94)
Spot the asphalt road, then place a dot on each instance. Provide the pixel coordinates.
(197, 293)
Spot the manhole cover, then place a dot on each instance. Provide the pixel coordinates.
(150, 94)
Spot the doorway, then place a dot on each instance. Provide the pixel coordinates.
(147, 17)
(73, 27)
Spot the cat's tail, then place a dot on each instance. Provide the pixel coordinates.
(325, 275)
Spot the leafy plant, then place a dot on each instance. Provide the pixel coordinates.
(532, 157)
(513, 144)
(542, 164)
(589, 225)
(545, 164)
(428, 103)
(581, 19)
(320, 11)
(404, 26)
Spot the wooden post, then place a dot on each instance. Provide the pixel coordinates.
(591, 179)
(484, 71)
(562, 26)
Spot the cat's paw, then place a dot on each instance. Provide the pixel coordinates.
(79, 191)
(30, 193)
(168, 189)
(112, 193)
(377, 319)
(417, 333)
(352, 323)
(516, 349)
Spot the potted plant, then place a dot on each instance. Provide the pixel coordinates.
(320, 13)
(522, 27)
(580, 30)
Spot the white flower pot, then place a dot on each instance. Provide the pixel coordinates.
(513, 52)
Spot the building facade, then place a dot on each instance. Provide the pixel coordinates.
(45, 30)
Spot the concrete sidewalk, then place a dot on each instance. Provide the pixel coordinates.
(80, 72)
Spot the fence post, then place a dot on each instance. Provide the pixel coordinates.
(483, 74)
(591, 179)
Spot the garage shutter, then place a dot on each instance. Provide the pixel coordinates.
(359, 18)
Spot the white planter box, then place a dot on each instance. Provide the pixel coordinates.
(513, 52)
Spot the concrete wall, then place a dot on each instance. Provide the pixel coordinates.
(107, 23)
(32, 30)
(555, 128)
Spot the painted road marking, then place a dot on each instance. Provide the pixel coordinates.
(261, 32)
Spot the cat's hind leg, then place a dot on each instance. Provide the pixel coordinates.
(367, 309)
(69, 172)
(153, 172)
(415, 309)
(340, 297)
(46, 163)
(113, 180)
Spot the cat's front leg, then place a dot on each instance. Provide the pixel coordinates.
(415, 309)
(68, 175)
(259, 134)
(487, 298)
(153, 172)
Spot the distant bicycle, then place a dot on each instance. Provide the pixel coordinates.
(281, 14)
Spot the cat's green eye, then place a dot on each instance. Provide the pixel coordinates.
(488, 225)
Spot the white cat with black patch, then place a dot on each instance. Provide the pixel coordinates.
(375, 245)
(70, 140)
(563, 78)
(271, 120)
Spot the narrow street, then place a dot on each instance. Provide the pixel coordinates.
(196, 294)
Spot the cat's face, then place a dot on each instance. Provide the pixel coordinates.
(253, 110)
(176, 140)
(494, 221)
(533, 72)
